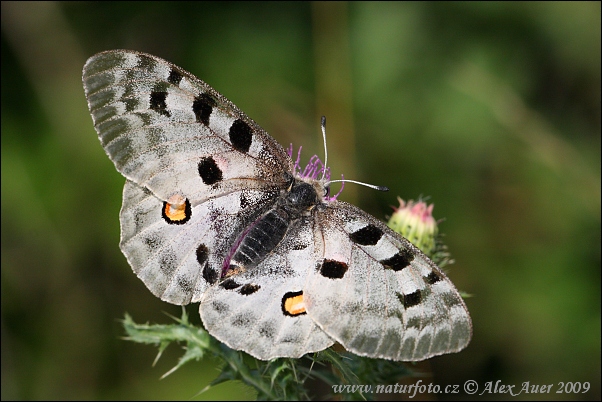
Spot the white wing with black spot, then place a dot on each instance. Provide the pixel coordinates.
(198, 168)
(378, 295)
(168, 131)
(178, 262)
(261, 311)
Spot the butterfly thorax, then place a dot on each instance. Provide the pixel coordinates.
(300, 198)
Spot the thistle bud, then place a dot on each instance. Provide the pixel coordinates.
(415, 222)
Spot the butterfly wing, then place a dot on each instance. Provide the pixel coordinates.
(168, 131)
(178, 262)
(272, 322)
(378, 295)
(198, 168)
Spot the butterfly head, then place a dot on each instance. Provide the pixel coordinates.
(315, 173)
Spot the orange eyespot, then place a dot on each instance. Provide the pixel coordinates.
(176, 210)
(293, 304)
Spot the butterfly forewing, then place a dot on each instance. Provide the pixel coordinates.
(170, 132)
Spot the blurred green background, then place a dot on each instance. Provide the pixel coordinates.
(490, 109)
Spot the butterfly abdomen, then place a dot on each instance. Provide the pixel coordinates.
(260, 239)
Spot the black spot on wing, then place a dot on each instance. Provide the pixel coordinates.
(158, 104)
(202, 106)
(209, 171)
(399, 261)
(202, 254)
(174, 77)
(229, 284)
(432, 278)
(410, 299)
(249, 289)
(367, 236)
(244, 200)
(241, 136)
(333, 269)
(210, 274)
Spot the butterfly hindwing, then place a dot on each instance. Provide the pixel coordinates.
(262, 310)
(378, 295)
(178, 260)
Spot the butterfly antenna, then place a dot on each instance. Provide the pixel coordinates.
(323, 125)
(372, 186)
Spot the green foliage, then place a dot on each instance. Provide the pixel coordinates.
(278, 379)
